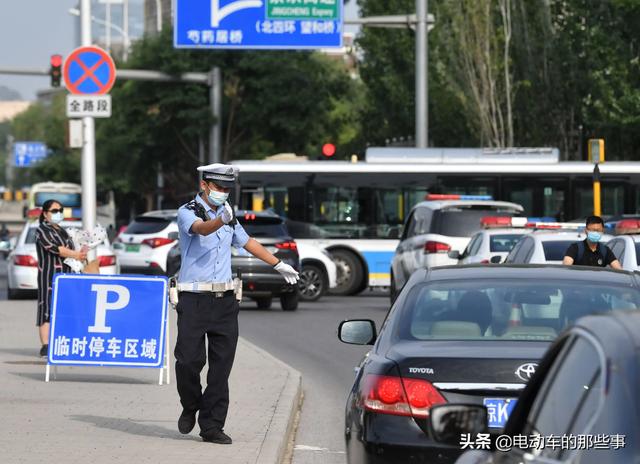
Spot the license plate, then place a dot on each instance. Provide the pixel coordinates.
(132, 248)
(499, 410)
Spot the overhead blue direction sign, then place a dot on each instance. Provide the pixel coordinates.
(255, 24)
(26, 154)
(108, 320)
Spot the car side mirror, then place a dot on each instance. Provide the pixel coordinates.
(497, 259)
(454, 254)
(357, 332)
(447, 422)
(174, 235)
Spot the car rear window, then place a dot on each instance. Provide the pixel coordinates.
(463, 221)
(147, 225)
(503, 243)
(263, 226)
(555, 250)
(508, 309)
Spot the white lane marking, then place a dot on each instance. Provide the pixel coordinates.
(315, 448)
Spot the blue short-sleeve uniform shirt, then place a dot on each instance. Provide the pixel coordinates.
(207, 258)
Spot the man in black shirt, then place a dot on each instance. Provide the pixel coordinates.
(590, 252)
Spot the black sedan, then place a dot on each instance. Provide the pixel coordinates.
(463, 334)
(581, 405)
(260, 281)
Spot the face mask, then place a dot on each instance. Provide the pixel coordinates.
(217, 198)
(594, 237)
(56, 218)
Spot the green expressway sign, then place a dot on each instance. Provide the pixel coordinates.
(303, 9)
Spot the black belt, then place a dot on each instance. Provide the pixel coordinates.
(214, 294)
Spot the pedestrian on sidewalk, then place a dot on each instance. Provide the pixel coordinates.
(207, 305)
(53, 245)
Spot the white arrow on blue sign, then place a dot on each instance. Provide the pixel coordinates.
(27, 153)
(108, 320)
(256, 24)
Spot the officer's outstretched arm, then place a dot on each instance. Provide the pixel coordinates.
(260, 252)
(206, 227)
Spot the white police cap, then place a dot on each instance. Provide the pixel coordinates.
(223, 175)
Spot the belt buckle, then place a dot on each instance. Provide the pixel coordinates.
(218, 294)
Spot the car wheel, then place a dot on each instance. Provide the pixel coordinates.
(349, 279)
(13, 294)
(289, 301)
(313, 283)
(264, 302)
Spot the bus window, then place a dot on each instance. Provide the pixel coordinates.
(612, 199)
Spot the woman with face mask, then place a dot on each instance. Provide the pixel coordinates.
(53, 245)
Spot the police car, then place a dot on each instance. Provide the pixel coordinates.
(626, 245)
(441, 224)
(493, 244)
(547, 244)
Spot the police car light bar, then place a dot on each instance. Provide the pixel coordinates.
(554, 225)
(491, 222)
(441, 196)
(628, 226)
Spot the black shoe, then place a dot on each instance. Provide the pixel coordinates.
(186, 421)
(216, 436)
(44, 351)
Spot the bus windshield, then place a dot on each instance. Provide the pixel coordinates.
(70, 200)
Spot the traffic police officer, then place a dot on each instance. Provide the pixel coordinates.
(591, 252)
(206, 303)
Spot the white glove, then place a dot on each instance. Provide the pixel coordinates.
(290, 274)
(227, 213)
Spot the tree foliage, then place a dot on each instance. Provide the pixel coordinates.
(511, 72)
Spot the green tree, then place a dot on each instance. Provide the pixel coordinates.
(273, 102)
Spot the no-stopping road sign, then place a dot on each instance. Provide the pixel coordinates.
(89, 71)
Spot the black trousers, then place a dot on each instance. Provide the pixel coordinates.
(201, 314)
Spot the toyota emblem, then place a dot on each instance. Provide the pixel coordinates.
(525, 371)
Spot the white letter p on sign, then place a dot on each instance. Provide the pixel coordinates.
(103, 305)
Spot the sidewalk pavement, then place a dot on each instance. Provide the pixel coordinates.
(107, 415)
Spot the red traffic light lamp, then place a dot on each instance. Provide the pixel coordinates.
(328, 150)
(55, 70)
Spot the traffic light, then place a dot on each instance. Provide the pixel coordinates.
(328, 150)
(56, 70)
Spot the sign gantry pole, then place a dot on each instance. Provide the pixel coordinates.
(88, 178)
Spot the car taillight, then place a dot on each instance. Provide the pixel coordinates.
(25, 260)
(287, 246)
(485, 261)
(157, 241)
(109, 260)
(436, 247)
(399, 396)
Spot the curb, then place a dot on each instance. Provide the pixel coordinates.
(273, 448)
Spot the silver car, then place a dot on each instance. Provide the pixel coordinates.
(22, 262)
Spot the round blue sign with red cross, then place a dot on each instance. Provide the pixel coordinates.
(89, 71)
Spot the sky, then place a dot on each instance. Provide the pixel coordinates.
(33, 30)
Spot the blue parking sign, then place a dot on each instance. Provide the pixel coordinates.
(108, 320)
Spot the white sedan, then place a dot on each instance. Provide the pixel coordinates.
(489, 246)
(545, 247)
(318, 271)
(22, 262)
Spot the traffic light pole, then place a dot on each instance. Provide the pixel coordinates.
(88, 172)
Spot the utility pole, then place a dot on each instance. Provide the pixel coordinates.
(89, 145)
(215, 100)
(422, 86)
